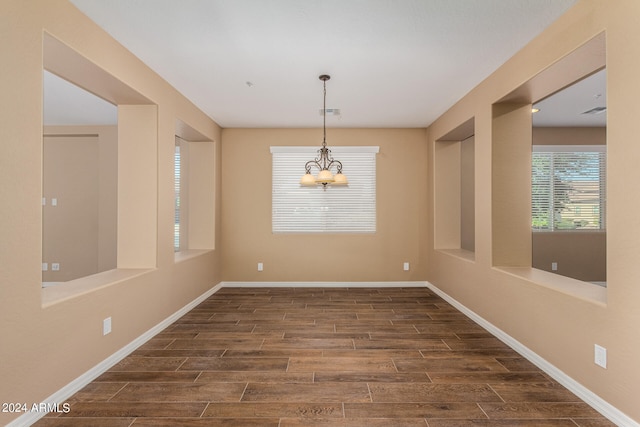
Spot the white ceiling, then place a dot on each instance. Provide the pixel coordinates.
(255, 63)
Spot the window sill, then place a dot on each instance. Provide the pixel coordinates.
(189, 254)
(460, 253)
(586, 291)
(65, 291)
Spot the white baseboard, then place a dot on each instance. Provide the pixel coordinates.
(599, 404)
(407, 284)
(76, 385)
(606, 409)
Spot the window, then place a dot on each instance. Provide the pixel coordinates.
(568, 188)
(181, 200)
(336, 209)
(176, 186)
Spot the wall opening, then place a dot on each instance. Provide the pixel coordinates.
(455, 190)
(571, 98)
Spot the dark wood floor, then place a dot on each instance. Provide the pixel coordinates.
(325, 357)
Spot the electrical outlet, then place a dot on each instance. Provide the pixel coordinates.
(406, 266)
(106, 326)
(600, 358)
(260, 266)
(45, 266)
(554, 266)
(55, 266)
(54, 202)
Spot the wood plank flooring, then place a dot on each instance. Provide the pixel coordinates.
(293, 357)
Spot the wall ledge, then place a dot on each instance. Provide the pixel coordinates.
(462, 254)
(180, 256)
(586, 291)
(592, 399)
(63, 291)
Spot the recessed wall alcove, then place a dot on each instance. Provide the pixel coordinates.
(511, 148)
(132, 167)
(455, 191)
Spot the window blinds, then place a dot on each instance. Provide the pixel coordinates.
(176, 187)
(568, 188)
(338, 209)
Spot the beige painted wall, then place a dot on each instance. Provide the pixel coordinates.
(560, 320)
(80, 172)
(467, 195)
(401, 211)
(51, 338)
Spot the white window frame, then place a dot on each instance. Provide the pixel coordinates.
(334, 209)
(579, 196)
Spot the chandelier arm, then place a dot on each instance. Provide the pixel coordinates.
(310, 163)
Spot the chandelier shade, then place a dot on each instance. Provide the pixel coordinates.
(325, 161)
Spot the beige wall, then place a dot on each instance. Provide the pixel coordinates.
(467, 195)
(51, 337)
(80, 171)
(401, 211)
(581, 255)
(558, 318)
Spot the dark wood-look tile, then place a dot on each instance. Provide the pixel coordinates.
(486, 377)
(457, 364)
(206, 422)
(235, 364)
(593, 422)
(517, 364)
(422, 344)
(316, 392)
(307, 343)
(341, 364)
(427, 392)
(501, 423)
(274, 409)
(293, 357)
(86, 421)
(255, 377)
(413, 410)
(538, 410)
(135, 409)
(135, 363)
(180, 392)
(277, 353)
(534, 392)
(218, 344)
(180, 353)
(370, 377)
(147, 377)
(353, 422)
(392, 353)
(97, 392)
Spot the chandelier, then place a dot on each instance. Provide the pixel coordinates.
(325, 161)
